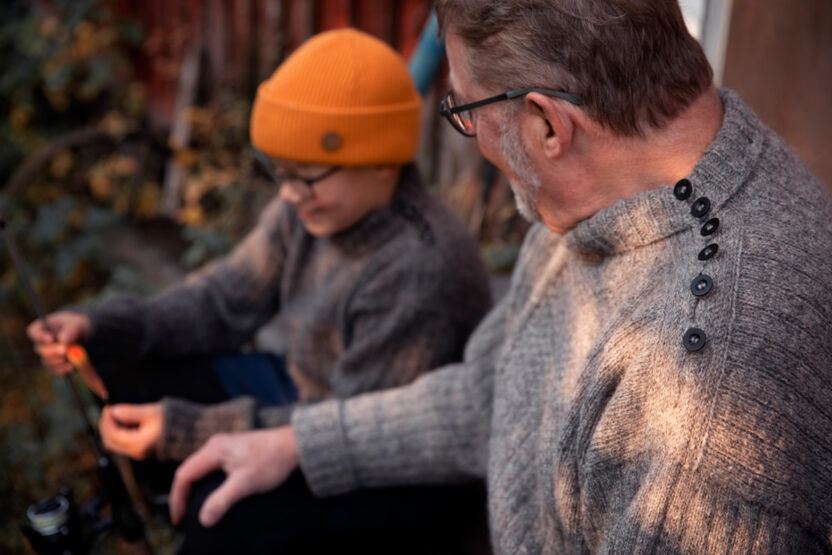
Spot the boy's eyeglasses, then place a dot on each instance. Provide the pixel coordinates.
(302, 185)
(461, 118)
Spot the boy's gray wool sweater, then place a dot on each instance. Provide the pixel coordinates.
(597, 430)
(370, 308)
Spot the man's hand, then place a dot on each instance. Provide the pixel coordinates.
(70, 327)
(131, 430)
(254, 462)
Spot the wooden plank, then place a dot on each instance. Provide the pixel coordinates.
(238, 71)
(779, 58)
(375, 17)
(301, 21)
(270, 37)
(161, 93)
(334, 14)
(215, 43)
(410, 20)
(180, 134)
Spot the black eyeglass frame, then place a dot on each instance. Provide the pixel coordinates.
(448, 113)
(281, 178)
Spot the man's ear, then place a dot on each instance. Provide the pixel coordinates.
(553, 125)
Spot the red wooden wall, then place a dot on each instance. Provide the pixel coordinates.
(243, 41)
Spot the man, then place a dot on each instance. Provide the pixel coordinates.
(657, 378)
(374, 281)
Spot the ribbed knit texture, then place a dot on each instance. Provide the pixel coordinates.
(189, 425)
(370, 308)
(596, 429)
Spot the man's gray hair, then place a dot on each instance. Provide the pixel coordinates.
(632, 62)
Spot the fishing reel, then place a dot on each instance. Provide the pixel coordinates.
(56, 525)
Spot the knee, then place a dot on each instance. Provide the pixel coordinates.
(274, 522)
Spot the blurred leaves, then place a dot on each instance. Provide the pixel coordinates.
(61, 62)
(67, 65)
(75, 124)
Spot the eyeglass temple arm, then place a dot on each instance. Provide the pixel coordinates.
(570, 98)
(483, 102)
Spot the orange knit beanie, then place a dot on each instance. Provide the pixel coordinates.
(342, 98)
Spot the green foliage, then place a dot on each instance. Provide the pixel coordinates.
(68, 65)
(63, 63)
(224, 188)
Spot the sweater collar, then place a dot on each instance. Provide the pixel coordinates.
(376, 228)
(653, 215)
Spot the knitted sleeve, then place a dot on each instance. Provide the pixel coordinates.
(434, 430)
(678, 511)
(186, 426)
(216, 308)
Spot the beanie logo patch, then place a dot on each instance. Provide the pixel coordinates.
(331, 141)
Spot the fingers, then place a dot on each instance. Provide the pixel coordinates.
(115, 437)
(51, 339)
(107, 428)
(234, 488)
(69, 327)
(38, 334)
(68, 331)
(53, 357)
(195, 467)
(135, 414)
(135, 438)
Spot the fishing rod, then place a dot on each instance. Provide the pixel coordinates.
(55, 526)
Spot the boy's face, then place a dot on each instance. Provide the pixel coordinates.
(337, 198)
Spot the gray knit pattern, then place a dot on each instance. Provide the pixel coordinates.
(370, 308)
(597, 430)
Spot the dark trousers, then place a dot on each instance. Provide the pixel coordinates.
(433, 519)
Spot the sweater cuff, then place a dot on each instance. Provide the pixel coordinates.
(325, 459)
(274, 417)
(186, 426)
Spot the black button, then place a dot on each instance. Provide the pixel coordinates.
(708, 252)
(694, 339)
(683, 189)
(709, 227)
(701, 285)
(700, 207)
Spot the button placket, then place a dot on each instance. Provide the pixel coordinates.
(709, 227)
(701, 285)
(683, 189)
(694, 338)
(700, 207)
(708, 252)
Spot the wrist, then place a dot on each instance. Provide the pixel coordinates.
(281, 445)
(292, 447)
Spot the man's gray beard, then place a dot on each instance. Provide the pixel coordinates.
(527, 189)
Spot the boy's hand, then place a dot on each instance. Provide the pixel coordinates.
(254, 462)
(131, 430)
(70, 327)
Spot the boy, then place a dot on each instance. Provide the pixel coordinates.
(374, 282)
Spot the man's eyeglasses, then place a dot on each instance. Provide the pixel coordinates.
(461, 118)
(301, 185)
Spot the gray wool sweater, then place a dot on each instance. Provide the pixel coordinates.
(370, 308)
(596, 428)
